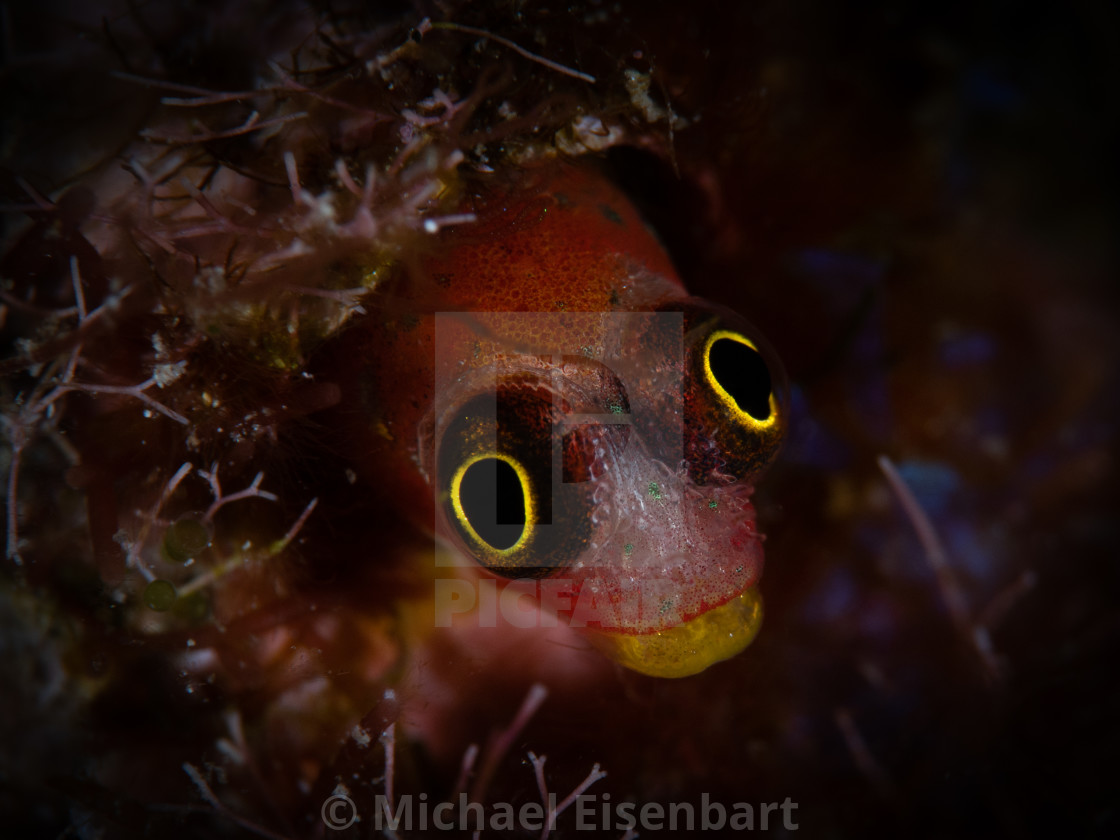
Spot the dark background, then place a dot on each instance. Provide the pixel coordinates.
(917, 205)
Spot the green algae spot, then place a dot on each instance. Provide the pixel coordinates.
(159, 595)
(194, 607)
(185, 539)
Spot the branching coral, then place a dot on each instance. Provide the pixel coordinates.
(164, 314)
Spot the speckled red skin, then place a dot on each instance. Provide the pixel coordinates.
(565, 239)
(561, 240)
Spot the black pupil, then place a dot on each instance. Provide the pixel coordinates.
(741, 372)
(493, 502)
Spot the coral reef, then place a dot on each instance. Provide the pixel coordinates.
(206, 630)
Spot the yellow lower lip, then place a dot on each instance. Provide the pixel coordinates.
(691, 647)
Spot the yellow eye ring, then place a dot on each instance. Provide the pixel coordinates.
(526, 494)
(724, 396)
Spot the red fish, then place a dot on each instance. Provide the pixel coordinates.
(576, 422)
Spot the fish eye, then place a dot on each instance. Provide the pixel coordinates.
(500, 483)
(492, 500)
(740, 378)
(735, 395)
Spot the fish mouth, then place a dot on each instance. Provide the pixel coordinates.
(655, 569)
(677, 590)
(691, 647)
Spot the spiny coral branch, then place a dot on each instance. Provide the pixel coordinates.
(18, 441)
(504, 739)
(79, 295)
(136, 391)
(466, 767)
(220, 500)
(220, 808)
(132, 557)
(538, 770)
(252, 123)
(861, 754)
(37, 414)
(1006, 599)
(286, 540)
(208, 577)
(389, 742)
(426, 25)
(951, 591)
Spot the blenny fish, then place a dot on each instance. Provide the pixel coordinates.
(553, 405)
